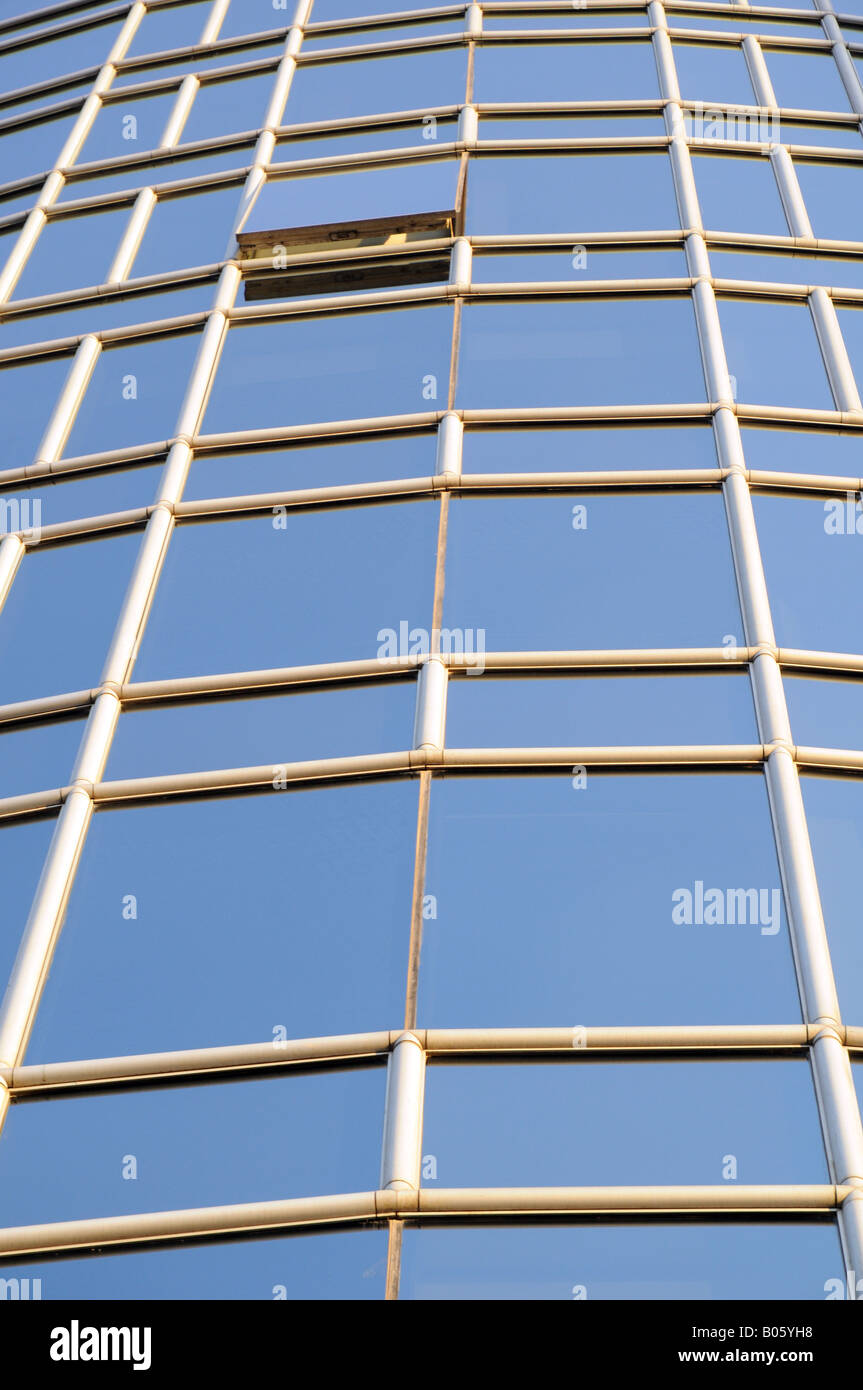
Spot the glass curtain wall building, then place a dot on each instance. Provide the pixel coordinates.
(431, 670)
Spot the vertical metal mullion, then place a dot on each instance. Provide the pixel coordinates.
(839, 1113)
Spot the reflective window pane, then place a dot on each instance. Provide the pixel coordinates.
(134, 395)
(570, 194)
(710, 73)
(51, 55)
(124, 128)
(564, 127)
(807, 81)
(831, 193)
(174, 27)
(327, 1265)
(851, 324)
(773, 354)
(586, 450)
(587, 263)
(825, 713)
(72, 252)
(37, 757)
(57, 622)
(350, 367)
(834, 815)
(618, 1122)
(217, 576)
(813, 561)
(685, 924)
(256, 940)
(427, 133)
(106, 312)
(248, 733)
(738, 194)
(516, 567)
(33, 149)
(25, 390)
(364, 87)
(221, 108)
(579, 352)
(67, 1158)
(171, 171)
(388, 192)
(575, 711)
(846, 271)
(803, 451)
(23, 846)
(188, 231)
(633, 1263)
(302, 466)
(565, 72)
(67, 496)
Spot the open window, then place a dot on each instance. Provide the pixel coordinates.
(340, 256)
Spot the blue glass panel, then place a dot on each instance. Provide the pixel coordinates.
(250, 945)
(846, 271)
(585, 264)
(808, 81)
(839, 136)
(579, 352)
(629, 1263)
(565, 19)
(389, 192)
(57, 622)
(831, 193)
(66, 1158)
(222, 108)
(188, 231)
(565, 72)
(27, 392)
(546, 127)
(802, 451)
(388, 33)
(50, 55)
(521, 568)
(773, 354)
(708, 73)
(248, 733)
(588, 450)
(124, 128)
(350, 367)
(738, 194)
(37, 757)
(590, 900)
(72, 252)
(169, 28)
(825, 713)
(813, 560)
(425, 134)
(279, 470)
(23, 846)
(851, 323)
(570, 194)
(66, 496)
(363, 87)
(216, 576)
(834, 814)
(143, 70)
(340, 1265)
(107, 312)
(357, 9)
(134, 395)
(573, 711)
(32, 149)
(618, 1123)
(162, 172)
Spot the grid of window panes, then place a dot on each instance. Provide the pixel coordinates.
(431, 714)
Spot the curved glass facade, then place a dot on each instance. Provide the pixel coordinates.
(431, 683)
